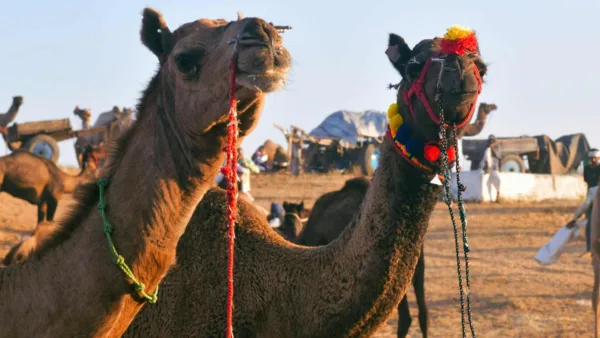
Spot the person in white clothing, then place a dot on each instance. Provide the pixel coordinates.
(490, 164)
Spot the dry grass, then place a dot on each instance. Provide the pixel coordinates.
(513, 296)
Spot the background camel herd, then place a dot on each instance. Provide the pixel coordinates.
(339, 268)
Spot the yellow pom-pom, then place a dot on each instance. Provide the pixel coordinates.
(392, 110)
(457, 32)
(395, 122)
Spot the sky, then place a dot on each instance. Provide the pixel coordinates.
(542, 69)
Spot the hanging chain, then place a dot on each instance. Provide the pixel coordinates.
(463, 220)
(448, 200)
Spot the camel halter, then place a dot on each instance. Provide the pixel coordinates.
(230, 173)
(457, 40)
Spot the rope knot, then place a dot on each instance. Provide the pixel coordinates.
(103, 182)
(139, 287)
(108, 228)
(120, 261)
(101, 205)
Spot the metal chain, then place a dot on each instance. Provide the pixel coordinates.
(463, 220)
(448, 200)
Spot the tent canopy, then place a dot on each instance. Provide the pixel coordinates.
(350, 126)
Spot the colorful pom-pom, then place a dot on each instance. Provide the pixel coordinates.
(459, 40)
(432, 152)
(396, 121)
(392, 110)
(414, 147)
(457, 32)
(403, 134)
(451, 154)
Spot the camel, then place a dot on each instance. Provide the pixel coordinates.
(39, 181)
(338, 207)
(159, 170)
(347, 288)
(277, 156)
(115, 121)
(22, 251)
(12, 112)
(476, 127)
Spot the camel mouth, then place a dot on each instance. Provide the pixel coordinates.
(267, 82)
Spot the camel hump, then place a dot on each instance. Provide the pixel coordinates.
(358, 183)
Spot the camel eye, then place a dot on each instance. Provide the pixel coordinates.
(189, 62)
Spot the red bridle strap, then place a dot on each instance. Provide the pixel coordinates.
(418, 88)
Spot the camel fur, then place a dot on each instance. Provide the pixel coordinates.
(71, 286)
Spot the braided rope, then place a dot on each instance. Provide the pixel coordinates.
(119, 260)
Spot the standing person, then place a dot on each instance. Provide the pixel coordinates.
(591, 175)
(490, 164)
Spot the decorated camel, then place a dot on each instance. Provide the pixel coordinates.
(39, 181)
(476, 127)
(115, 122)
(344, 289)
(71, 286)
(349, 287)
(12, 112)
(323, 226)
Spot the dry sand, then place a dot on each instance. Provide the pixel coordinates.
(513, 296)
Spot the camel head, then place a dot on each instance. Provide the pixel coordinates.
(84, 114)
(441, 72)
(488, 107)
(296, 208)
(195, 63)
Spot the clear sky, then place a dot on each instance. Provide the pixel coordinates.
(544, 74)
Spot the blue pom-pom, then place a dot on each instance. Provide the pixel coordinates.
(403, 134)
(414, 147)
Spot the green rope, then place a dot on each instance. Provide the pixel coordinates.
(119, 260)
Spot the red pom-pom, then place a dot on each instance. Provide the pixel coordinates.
(460, 46)
(432, 152)
(451, 154)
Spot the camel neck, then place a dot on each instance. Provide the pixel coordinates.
(149, 207)
(376, 255)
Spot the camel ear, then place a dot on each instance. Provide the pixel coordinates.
(301, 206)
(154, 32)
(398, 53)
(285, 205)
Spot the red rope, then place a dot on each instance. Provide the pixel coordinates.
(230, 172)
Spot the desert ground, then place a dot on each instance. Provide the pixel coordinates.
(513, 296)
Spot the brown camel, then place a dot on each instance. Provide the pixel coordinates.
(347, 288)
(115, 121)
(277, 156)
(158, 173)
(39, 181)
(476, 127)
(12, 112)
(338, 207)
(24, 249)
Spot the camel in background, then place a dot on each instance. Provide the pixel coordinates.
(115, 122)
(21, 252)
(39, 181)
(12, 112)
(476, 127)
(154, 186)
